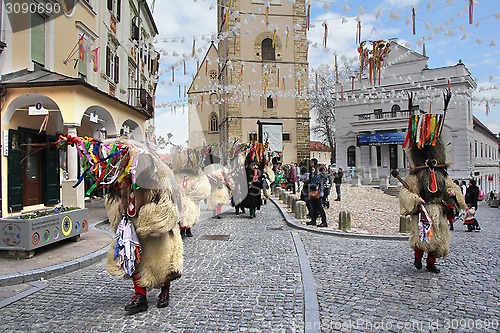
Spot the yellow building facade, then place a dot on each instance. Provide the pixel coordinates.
(86, 70)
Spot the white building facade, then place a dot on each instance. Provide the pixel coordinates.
(372, 117)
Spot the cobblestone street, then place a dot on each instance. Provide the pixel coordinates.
(246, 275)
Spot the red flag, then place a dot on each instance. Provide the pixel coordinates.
(94, 55)
(81, 49)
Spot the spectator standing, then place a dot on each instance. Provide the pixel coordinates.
(471, 198)
(337, 179)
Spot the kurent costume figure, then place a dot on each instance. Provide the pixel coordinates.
(428, 188)
(193, 185)
(143, 206)
(219, 195)
(254, 163)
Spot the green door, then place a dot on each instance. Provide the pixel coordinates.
(16, 173)
(51, 178)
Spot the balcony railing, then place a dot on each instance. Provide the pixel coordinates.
(388, 115)
(140, 99)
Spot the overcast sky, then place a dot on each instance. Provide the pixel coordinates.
(443, 24)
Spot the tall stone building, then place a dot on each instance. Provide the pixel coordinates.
(253, 84)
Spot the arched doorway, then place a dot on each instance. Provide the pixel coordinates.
(34, 122)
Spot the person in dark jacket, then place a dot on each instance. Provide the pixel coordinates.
(316, 184)
(471, 198)
(337, 179)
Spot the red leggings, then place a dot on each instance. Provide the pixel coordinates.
(431, 260)
(143, 291)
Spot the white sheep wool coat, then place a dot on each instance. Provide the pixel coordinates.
(439, 244)
(157, 226)
(194, 187)
(219, 193)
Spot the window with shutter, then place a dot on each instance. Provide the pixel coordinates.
(108, 61)
(117, 69)
(38, 38)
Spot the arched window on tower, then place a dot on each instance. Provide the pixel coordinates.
(351, 156)
(268, 51)
(214, 122)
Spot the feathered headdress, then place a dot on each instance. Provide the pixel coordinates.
(424, 130)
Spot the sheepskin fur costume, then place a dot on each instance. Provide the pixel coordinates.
(156, 224)
(194, 186)
(439, 244)
(429, 163)
(219, 192)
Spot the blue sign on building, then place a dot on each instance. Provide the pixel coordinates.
(378, 139)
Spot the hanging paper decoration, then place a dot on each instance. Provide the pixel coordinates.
(234, 42)
(308, 18)
(185, 71)
(487, 108)
(471, 10)
(173, 73)
(413, 20)
(202, 102)
(358, 33)
(298, 87)
(193, 52)
(278, 77)
(267, 14)
(206, 67)
(274, 38)
(325, 34)
(287, 36)
(373, 59)
(335, 64)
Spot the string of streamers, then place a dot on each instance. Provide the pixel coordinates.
(104, 164)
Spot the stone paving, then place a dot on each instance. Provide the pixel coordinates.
(252, 282)
(372, 286)
(249, 283)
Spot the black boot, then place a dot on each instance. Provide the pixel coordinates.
(451, 227)
(138, 303)
(323, 224)
(188, 232)
(163, 297)
(432, 268)
(183, 233)
(311, 223)
(418, 263)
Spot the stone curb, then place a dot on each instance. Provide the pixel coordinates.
(292, 222)
(58, 269)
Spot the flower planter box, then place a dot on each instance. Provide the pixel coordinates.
(30, 234)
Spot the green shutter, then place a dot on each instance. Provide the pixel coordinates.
(38, 38)
(51, 176)
(15, 173)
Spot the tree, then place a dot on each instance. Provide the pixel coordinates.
(322, 100)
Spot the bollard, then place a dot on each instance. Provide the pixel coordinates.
(300, 210)
(293, 201)
(404, 224)
(384, 182)
(282, 195)
(344, 221)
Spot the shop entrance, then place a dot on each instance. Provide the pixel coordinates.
(33, 169)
